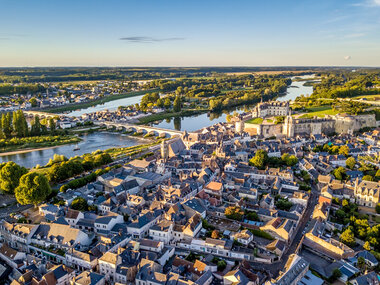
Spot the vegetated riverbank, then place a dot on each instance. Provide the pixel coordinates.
(76, 106)
(28, 144)
(169, 115)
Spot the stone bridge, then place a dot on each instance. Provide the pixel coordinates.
(42, 115)
(145, 129)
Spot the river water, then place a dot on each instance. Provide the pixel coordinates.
(103, 140)
(89, 143)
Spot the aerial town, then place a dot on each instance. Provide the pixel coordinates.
(238, 202)
(190, 142)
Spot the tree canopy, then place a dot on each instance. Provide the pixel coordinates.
(33, 189)
(10, 175)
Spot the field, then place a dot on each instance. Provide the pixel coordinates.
(255, 121)
(373, 97)
(319, 112)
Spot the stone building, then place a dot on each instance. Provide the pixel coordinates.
(268, 109)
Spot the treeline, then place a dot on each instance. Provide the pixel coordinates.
(345, 85)
(62, 168)
(28, 187)
(8, 89)
(15, 125)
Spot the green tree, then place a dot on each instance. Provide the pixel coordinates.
(234, 213)
(378, 208)
(335, 274)
(344, 150)
(367, 246)
(289, 160)
(350, 162)
(260, 159)
(167, 103)
(36, 127)
(340, 173)
(10, 175)
(52, 126)
(221, 265)
(160, 103)
(348, 238)
(79, 204)
(177, 104)
(6, 125)
(367, 178)
(33, 102)
(361, 263)
(33, 189)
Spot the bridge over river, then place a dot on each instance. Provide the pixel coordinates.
(146, 129)
(117, 125)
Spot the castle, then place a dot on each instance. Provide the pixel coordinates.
(293, 125)
(273, 108)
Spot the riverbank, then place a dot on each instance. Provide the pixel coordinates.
(26, 150)
(84, 105)
(169, 115)
(25, 145)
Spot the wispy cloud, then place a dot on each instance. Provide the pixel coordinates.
(367, 3)
(149, 39)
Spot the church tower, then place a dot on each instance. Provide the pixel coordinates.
(164, 150)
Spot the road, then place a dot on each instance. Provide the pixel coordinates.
(275, 268)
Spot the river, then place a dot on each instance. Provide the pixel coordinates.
(103, 140)
(89, 143)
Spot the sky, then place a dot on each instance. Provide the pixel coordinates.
(190, 33)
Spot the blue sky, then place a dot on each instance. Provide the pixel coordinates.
(189, 33)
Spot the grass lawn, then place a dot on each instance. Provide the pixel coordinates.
(320, 111)
(255, 121)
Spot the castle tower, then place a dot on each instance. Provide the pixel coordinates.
(288, 128)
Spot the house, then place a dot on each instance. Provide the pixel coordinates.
(12, 257)
(281, 228)
(295, 269)
(194, 206)
(162, 231)
(107, 265)
(245, 237)
(367, 279)
(367, 193)
(369, 258)
(139, 227)
(88, 278)
(59, 275)
(81, 260)
(104, 224)
(237, 277)
(73, 216)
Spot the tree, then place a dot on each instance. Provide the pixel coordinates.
(79, 204)
(378, 208)
(177, 104)
(335, 274)
(33, 189)
(221, 265)
(340, 173)
(33, 102)
(350, 162)
(52, 126)
(160, 103)
(344, 150)
(167, 103)
(367, 246)
(234, 213)
(35, 129)
(367, 178)
(348, 238)
(361, 263)
(289, 160)
(260, 159)
(6, 126)
(215, 234)
(10, 175)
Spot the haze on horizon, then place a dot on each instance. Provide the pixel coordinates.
(190, 33)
